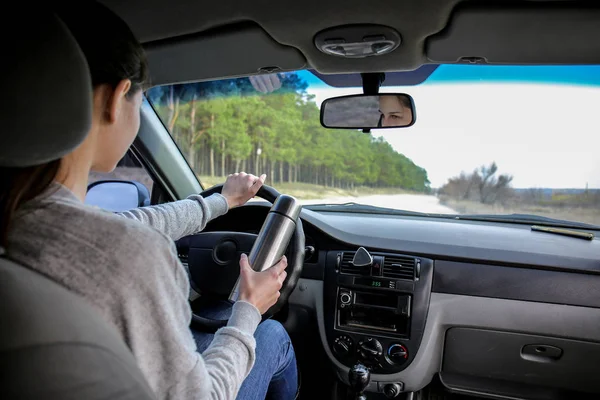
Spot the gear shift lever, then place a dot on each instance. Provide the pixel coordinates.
(359, 377)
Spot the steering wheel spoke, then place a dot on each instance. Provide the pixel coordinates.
(213, 260)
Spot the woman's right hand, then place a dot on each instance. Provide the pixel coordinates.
(261, 289)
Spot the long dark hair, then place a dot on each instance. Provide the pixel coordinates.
(113, 54)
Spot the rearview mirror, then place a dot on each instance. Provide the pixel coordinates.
(360, 111)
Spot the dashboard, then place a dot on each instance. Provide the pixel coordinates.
(495, 309)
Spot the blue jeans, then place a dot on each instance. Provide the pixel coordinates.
(275, 374)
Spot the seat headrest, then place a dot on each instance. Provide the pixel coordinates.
(46, 99)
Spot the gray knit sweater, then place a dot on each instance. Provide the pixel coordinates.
(128, 268)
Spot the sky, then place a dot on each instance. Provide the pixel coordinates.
(546, 135)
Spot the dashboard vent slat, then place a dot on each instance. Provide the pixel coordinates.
(398, 267)
(346, 266)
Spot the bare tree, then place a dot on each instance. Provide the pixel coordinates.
(481, 185)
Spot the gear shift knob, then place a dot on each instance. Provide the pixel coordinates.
(359, 377)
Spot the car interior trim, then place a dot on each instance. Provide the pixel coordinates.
(447, 311)
(527, 284)
(478, 241)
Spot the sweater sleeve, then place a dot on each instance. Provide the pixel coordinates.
(180, 218)
(167, 350)
(222, 368)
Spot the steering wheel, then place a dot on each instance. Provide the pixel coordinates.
(213, 262)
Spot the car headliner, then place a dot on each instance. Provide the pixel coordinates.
(190, 40)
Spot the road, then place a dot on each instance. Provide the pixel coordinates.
(408, 202)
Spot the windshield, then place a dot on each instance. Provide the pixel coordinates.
(491, 140)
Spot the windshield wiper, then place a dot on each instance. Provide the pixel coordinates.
(366, 209)
(526, 219)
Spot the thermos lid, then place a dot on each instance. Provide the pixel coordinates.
(288, 206)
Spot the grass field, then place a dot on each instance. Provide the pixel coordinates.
(307, 191)
(302, 190)
(299, 190)
(579, 214)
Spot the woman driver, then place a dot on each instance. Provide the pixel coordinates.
(126, 265)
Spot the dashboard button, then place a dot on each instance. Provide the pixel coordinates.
(392, 390)
(345, 298)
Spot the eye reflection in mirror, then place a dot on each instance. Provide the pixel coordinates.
(394, 110)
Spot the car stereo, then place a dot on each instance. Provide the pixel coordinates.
(375, 307)
(388, 313)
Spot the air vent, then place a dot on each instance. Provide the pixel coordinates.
(398, 267)
(346, 267)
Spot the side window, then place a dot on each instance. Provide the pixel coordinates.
(128, 169)
(128, 186)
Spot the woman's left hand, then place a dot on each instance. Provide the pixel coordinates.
(241, 187)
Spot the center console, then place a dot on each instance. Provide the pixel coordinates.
(375, 306)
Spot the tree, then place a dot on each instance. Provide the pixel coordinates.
(481, 185)
(492, 188)
(226, 126)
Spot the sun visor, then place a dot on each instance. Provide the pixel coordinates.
(234, 50)
(559, 33)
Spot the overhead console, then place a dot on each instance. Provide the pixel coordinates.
(375, 307)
